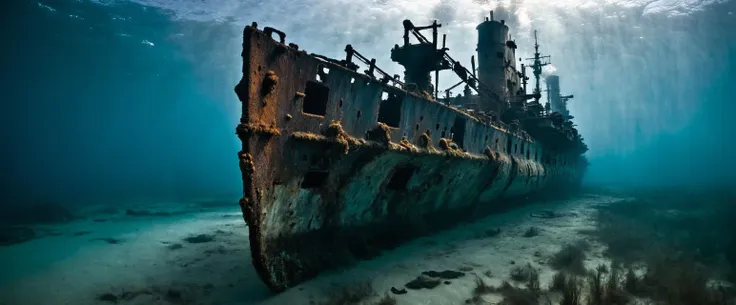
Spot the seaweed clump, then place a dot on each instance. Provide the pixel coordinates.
(571, 291)
(481, 287)
(447, 144)
(559, 280)
(269, 83)
(260, 128)
(406, 144)
(335, 132)
(606, 289)
(570, 258)
(425, 140)
(679, 282)
(679, 236)
(518, 296)
(511, 295)
(492, 155)
(381, 134)
(526, 274)
(387, 300)
(569, 286)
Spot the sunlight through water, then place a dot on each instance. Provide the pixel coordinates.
(642, 72)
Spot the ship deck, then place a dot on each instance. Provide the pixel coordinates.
(337, 165)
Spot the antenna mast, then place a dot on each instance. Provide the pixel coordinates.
(537, 64)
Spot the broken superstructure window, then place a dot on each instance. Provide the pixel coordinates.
(400, 177)
(389, 111)
(322, 73)
(314, 179)
(315, 98)
(458, 131)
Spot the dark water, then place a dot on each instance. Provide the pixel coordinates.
(122, 101)
(105, 104)
(122, 104)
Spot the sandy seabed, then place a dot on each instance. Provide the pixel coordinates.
(203, 257)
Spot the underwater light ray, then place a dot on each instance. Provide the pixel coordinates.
(636, 75)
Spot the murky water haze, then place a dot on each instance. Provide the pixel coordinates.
(134, 99)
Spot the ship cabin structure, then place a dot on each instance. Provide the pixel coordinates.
(341, 160)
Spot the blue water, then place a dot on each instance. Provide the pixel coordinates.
(135, 101)
(113, 103)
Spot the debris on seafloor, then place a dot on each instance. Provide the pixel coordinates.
(398, 291)
(109, 240)
(431, 279)
(146, 213)
(551, 214)
(490, 233)
(545, 214)
(81, 233)
(447, 274)
(170, 295)
(107, 297)
(198, 239)
(423, 281)
(15, 235)
(531, 232)
(466, 269)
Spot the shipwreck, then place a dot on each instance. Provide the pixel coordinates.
(339, 164)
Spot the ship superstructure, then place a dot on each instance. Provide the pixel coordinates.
(341, 160)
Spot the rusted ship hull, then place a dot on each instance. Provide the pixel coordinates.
(330, 177)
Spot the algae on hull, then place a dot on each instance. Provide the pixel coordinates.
(339, 165)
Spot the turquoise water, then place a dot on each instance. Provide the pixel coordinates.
(134, 99)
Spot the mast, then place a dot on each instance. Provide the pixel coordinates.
(538, 62)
